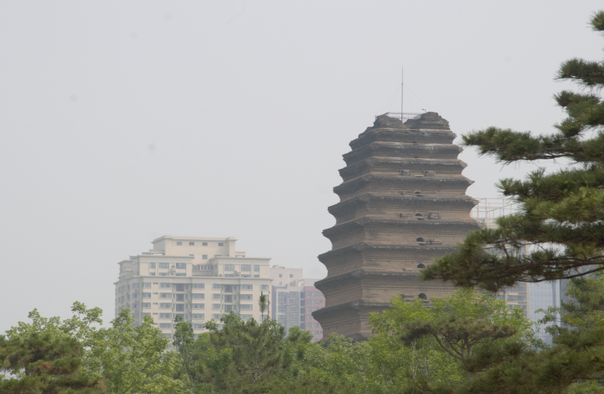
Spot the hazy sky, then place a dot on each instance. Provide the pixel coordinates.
(122, 121)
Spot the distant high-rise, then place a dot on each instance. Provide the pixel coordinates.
(194, 278)
(402, 204)
(294, 300)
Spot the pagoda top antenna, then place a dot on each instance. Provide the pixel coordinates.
(402, 80)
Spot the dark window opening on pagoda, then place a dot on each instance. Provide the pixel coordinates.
(420, 265)
(422, 296)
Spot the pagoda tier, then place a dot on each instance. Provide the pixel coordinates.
(402, 204)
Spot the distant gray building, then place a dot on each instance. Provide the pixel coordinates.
(542, 296)
(531, 297)
(294, 299)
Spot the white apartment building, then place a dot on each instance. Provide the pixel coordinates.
(194, 278)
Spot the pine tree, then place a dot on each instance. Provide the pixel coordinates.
(573, 364)
(561, 217)
(41, 358)
(245, 356)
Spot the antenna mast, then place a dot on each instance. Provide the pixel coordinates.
(402, 79)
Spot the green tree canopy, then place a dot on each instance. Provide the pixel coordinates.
(238, 356)
(573, 364)
(454, 336)
(42, 358)
(78, 355)
(561, 216)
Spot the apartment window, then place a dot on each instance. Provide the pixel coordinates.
(180, 286)
(152, 265)
(198, 296)
(291, 275)
(247, 287)
(217, 296)
(197, 326)
(169, 336)
(199, 306)
(134, 295)
(178, 243)
(181, 266)
(164, 265)
(135, 285)
(256, 268)
(135, 305)
(180, 307)
(216, 306)
(165, 325)
(191, 243)
(204, 244)
(165, 316)
(246, 268)
(246, 307)
(280, 276)
(282, 309)
(181, 274)
(165, 305)
(264, 287)
(216, 316)
(245, 297)
(147, 295)
(146, 305)
(220, 244)
(245, 317)
(204, 257)
(180, 297)
(147, 285)
(198, 316)
(216, 286)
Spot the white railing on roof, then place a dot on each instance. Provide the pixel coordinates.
(489, 209)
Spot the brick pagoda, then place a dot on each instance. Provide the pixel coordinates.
(402, 203)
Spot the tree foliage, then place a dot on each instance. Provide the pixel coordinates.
(53, 356)
(575, 361)
(561, 216)
(238, 356)
(461, 333)
(41, 358)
